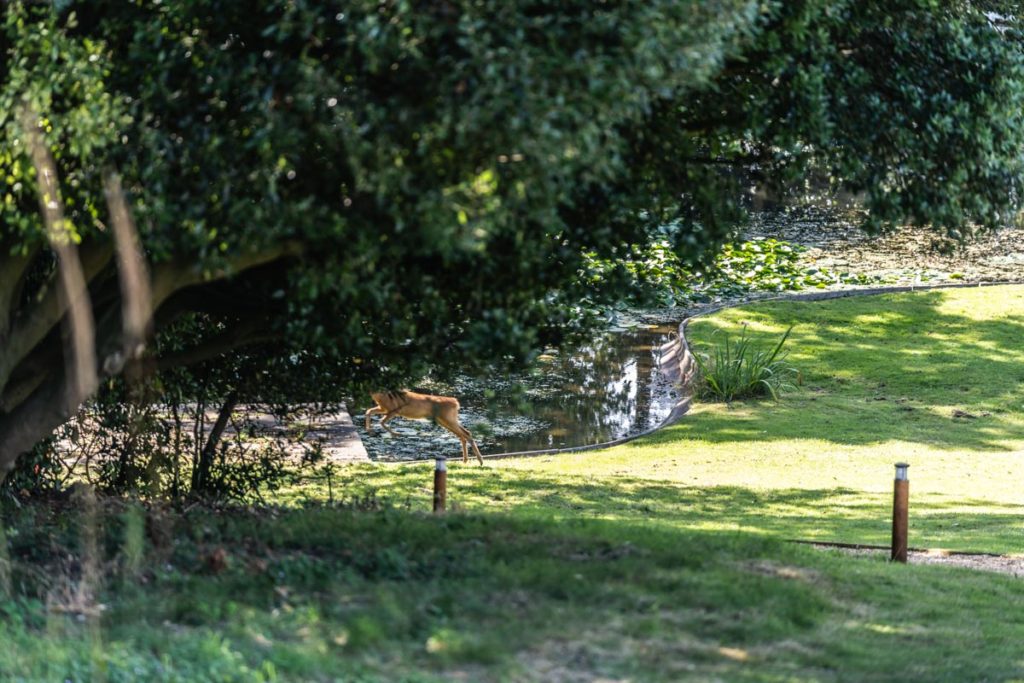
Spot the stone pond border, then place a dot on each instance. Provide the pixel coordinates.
(677, 364)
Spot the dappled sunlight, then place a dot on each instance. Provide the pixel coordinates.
(906, 373)
(819, 464)
(747, 457)
(960, 517)
(922, 319)
(891, 629)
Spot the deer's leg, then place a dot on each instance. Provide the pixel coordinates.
(464, 436)
(454, 429)
(469, 437)
(384, 422)
(476, 449)
(372, 411)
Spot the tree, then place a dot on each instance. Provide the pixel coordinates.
(362, 192)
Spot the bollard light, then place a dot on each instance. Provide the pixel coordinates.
(900, 509)
(440, 484)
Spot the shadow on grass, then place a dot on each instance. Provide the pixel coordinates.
(393, 595)
(883, 368)
(564, 582)
(325, 592)
(837, 514)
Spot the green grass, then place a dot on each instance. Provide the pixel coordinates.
(334, 594)
(661, 560)
(883, 377)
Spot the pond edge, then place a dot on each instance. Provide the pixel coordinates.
(676, 360)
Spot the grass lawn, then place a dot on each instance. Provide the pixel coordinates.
(884, 378)
(660, 560)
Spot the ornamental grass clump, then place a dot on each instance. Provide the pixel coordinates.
(742, 369)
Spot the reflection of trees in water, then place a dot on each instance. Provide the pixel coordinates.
(605, 390)
(646, 364)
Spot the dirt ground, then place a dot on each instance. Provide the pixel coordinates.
(1003, 564)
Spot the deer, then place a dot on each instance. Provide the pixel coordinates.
(442, 410)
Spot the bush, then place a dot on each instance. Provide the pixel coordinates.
(126, 446)
(745, 370)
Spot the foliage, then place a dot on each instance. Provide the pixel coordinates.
(343, 195)
(42, 471)
(743, 369)
(660, 277)
(129, 447)
(836, 91)
(769, 265)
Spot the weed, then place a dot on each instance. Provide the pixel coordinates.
(745, 370)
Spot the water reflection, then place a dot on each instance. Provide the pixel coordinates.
(609, 389)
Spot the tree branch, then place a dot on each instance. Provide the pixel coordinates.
(12, 272)
(168, 279)
(174, 276)
(729, 161)
(19, 389)
(45, 410)
(33, 328)
(247, 333)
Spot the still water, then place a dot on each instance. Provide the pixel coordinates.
(609, 389)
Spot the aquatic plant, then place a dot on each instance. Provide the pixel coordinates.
(742, 369)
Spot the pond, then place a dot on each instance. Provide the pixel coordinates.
(607, 390)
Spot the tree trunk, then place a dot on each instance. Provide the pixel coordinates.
(201, 473)
(25, 426)
(176, 481)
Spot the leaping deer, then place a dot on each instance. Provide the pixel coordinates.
(442, 410)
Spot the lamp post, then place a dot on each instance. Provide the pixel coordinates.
(440, 484)
(900, 506)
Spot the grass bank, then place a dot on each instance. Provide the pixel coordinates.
(343, 594)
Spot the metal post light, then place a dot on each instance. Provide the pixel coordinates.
(440, 484)
(900, 508)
